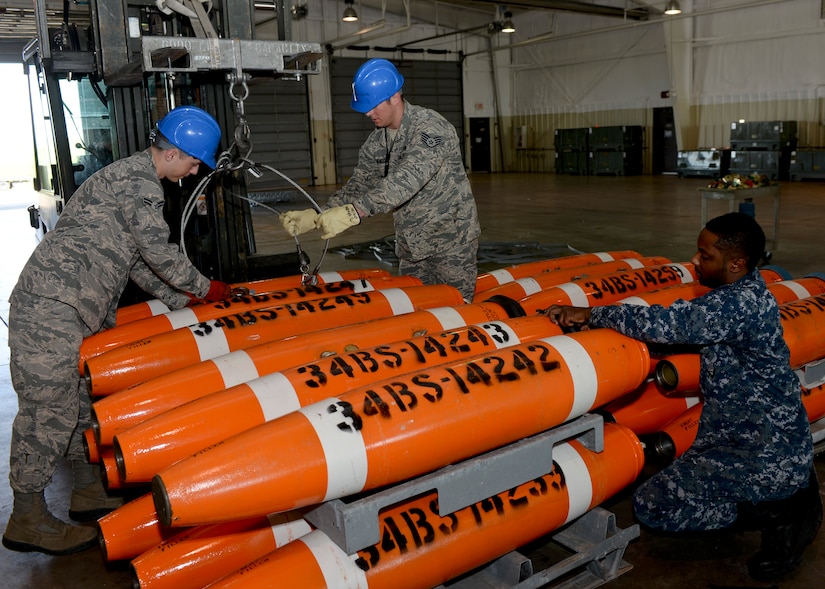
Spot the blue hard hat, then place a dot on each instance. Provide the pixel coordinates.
(192, 130)
(374, 82)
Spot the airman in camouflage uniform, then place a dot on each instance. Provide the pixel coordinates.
(110, 230)
(753, 448)
(425, 186)
(410, 165)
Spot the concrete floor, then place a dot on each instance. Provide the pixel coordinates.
(655, 215)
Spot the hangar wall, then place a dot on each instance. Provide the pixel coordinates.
(718, 62)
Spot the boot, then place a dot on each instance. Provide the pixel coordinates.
(32, 528)
(789, 526)
(89, 498)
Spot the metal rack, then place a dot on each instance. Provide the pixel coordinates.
(595, 539)
(598, 546)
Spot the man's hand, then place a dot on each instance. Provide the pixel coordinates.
(298, 222)
(218, 291)
(222, 291)
(568, 317)
(337, 220)
(193, 300)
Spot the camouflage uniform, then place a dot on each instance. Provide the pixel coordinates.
(112, 228)
(753, 443)
(420, 177)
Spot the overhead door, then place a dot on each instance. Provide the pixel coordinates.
(278, 115)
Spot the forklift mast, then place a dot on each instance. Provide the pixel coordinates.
(98, 86)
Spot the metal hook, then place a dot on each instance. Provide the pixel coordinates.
(307, 278)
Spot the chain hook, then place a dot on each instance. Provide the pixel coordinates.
(242, 140)
(307, 278)
(243, 144)
(242, 132)
(233, 79)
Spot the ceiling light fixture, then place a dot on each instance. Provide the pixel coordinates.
(507, 26)
(349, 12)
(299, 12)
(672, 7)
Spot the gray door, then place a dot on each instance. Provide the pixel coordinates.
(480, 144)
(665, 150)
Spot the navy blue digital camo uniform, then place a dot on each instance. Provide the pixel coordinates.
(753, 442)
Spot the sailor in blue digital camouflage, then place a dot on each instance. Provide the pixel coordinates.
(752, 460)
(111, 229)
(410, 165)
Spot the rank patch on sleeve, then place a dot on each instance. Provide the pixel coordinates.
(431, 141)
(155, 204)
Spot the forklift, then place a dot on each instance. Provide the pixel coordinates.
(100, 81)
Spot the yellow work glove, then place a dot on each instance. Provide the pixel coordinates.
(337, 220)
(297, 222)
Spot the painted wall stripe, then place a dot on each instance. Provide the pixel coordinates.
(345, 451)
(338, 569)
(211, 345)
(399, 302)
(235, 368)
(182, 318)
(275, 395)
(578, 298)
(579, 483)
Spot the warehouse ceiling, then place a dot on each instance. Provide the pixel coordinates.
(17, 20)
(18, 26)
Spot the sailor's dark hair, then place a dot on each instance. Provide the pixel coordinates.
(739, 235)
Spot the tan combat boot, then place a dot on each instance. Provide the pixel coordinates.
(89, 498)
(32, 528)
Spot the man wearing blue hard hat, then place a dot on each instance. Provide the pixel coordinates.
(112, 229)
(410, 165)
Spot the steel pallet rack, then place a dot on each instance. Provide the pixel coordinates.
(597, 543)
